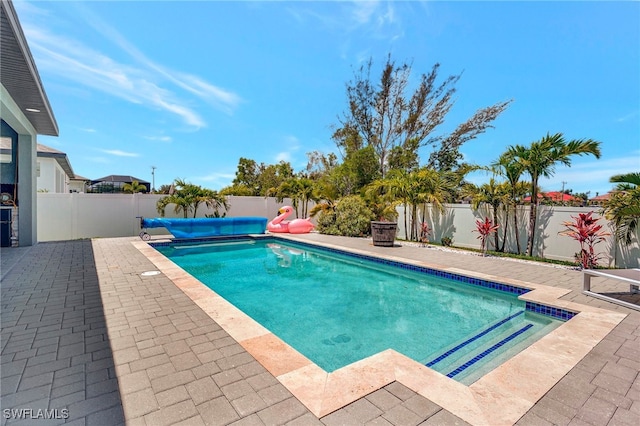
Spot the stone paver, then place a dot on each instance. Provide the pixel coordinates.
(86, 336)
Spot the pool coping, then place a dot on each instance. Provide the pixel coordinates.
(501, 396)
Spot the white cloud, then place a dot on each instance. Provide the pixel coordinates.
(215, 176)
(376, 19)
(363, 11)
(283, 156)
(142, 81)
(218, 179)
(159, 138)
(119, 153)
(292, 144)
(628, 117)
(101, 160)
(224, 99)
(82, 65)
(590, 174)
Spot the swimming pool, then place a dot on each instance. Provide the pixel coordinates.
(337, 308)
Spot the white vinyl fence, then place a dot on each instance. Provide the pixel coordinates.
(77, 215)
(458, 222)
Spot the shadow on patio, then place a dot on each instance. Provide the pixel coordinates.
(57, 360)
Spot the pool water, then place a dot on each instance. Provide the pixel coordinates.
(337, 309)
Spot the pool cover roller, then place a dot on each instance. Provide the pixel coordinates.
(205, 227)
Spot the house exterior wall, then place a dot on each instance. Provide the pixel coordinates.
(77, 186)
(51, 177)
(26, 161)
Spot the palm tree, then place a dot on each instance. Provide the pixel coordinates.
(134, 187)
(623, 208)
(394, 187)
(305, 193)
(540, 159)
(299, 189)
(512, 170)
(412, 189)
(494, 194)
(180, 203)
(214, 200)
(431, 186)
(187, 197)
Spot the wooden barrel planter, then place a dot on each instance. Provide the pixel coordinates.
(383, 233)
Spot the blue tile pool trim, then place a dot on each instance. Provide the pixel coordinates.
(488, 351)
(422, 269)
(556, 313)
(473, 339)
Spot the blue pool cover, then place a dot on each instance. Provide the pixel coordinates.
(208, 227)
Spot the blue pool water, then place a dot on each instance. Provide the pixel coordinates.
(337, 309)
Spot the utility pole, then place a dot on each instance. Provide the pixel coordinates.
(153, 179)
(562, 193)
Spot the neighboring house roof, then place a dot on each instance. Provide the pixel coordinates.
(19, 75)
(44, 152)
(119, 179)
(78, 177)
(555, 196)
(62, 159)
(603, 197)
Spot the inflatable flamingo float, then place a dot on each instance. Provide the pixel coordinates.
(296, 226)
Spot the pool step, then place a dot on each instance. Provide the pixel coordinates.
(483, 346)
(464, 344)
(488, 351)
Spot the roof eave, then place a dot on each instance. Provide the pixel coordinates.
(16, 59)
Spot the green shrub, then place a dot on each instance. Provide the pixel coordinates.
(350, 218)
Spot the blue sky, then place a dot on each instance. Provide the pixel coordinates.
(190, 87)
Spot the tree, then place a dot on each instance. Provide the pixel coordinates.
(384, 116)
(493, 194)
(623, 208)
(238, 190)
(164, 189)
(404, 157)
(396, 186)
(273, 175)
(320, 165)
(134, 187)
(540, 158)
(350, 217)
(187, 197)
(247, 175)
(257, 179)
(511, 169)
(428, 186)
(412, 189)
(299, 190)
(215, 201)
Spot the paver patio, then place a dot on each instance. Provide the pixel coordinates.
(90, 340)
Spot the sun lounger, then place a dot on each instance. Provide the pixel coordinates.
(631, 276)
